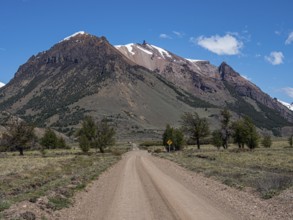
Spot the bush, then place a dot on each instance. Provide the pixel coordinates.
(271, 184)
(217, 140)
(266, 141)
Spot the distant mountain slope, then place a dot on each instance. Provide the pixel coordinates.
(1, 84)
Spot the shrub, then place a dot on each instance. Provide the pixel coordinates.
(217, 140)
(266, 141)
(271, 184)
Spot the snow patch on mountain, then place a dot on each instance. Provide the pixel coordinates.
(129, 47)
(1, 84)
(73, 35)
(144, 50)
(194, 61)
(289, 106)
(163, 52)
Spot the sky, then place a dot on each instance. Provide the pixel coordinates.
(255, 37)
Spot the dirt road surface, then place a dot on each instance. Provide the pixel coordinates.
(143, 187)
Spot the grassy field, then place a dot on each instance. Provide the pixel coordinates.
(56, 176)
(267, 170)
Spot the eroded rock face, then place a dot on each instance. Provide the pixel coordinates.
(247, 89)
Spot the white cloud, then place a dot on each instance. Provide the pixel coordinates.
(178, 34)
(165, 36)
(288, 91)
(1, 84)
(275, 58)
(225, 45)
(278, 32)
(289, 39)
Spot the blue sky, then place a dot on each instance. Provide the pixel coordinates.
(254, 36)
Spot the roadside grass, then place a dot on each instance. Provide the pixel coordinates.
(57, 175)
(266, 170)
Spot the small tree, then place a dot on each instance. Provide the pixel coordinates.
(194, 126)
(175, 135)
(225, 127)
(96, 135)
(61, 143)
(20, 135)
(104, 136)
(167, 135)
(251, 135)
(238, 133)
(244, 133)
(178, 139)
(290, 141)
(217, 140)
(266, 141)
(86, 134)
(49, 140)
(84, 143)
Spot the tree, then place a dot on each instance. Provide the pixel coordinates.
(49, 140)
(238, 133)
(167, 135)
(104, 136)
(20, 135)
(175, 135)
(95, 135)
(244, 132)
(217, 140)
(290, 141)
(178, 139)
(225, 127)
(61, 143)
(84, 143)
(251, 135)
(86, 134)
(266, 141)
(194, 126)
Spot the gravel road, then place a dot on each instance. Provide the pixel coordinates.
(143, 187)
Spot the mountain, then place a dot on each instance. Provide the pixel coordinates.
(1, 84)
(86, 75)
(197, 77)
(139, 88)
(221, 86)
(289, 106)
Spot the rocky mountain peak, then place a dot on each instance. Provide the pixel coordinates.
(227, 72)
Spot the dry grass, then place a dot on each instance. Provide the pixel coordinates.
(57, 175)
(267, 170)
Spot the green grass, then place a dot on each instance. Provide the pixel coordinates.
(58, 175)
(267, 170)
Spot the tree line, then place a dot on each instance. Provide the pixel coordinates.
(21, 136)
(243, 132)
